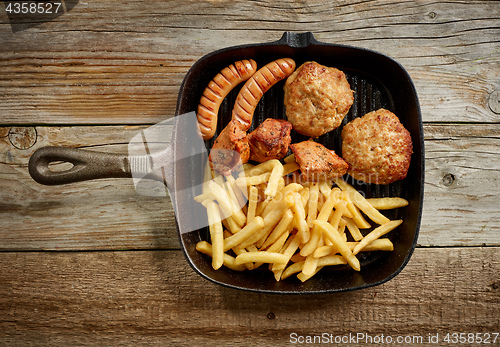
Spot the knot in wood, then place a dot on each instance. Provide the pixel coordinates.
(448, 179)
(494, 101)
(22, 137)
(432, 15)
(271, 316)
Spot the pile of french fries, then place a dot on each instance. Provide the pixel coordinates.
(266, 215)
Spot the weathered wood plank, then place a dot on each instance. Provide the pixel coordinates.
(154, 298)
(462, 177)
(123, 64)
(460, 205)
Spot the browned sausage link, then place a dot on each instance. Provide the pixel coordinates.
(253, 90)
(217, 90)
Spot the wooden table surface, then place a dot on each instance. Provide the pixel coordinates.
(95, 263)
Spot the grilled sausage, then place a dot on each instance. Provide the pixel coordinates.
(217, 90)
(253, 90)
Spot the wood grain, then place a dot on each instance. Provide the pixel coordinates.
(153, 297)
(123, 62)
(461, 177)
(95, 263)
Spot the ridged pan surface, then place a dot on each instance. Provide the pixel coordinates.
(377, 81)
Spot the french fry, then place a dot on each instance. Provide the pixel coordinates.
(278, 244)
(324, 251)
(234, 240)
(270, 221)
(331, 201)
(311, 262)
(216, 235)
(297, 257)
(290, 250)
(356, 216)
(281, 183)
(360, 201)
(299, 216)
(323, 216)
(231, 225)
(207, 176)
(383, 244)
(253, 198)
(253, 180)
(387, 203)
(321, 201)
(274, 178)
(237, 250)
(280, 228)
(312, 205)
(325, 188)
(353, 229)
(292, 269)
(293, 187)
(261, 205)
(288, 168)
(206, 196)
(228, 261)
(252, 248)
(377, 245)
(330, 260)
(226, 204)
(238, 195)
(289, 159)
(304, 194)
(339, 242)
(375, 234)
(336, 215)
(303, 277)
(262, 257)
(261, 168)
(312, 243)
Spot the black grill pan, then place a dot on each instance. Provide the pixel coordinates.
(378, 81)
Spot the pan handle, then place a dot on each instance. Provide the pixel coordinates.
(87, 165)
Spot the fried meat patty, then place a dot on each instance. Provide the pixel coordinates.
(377, 147)
(317, 98)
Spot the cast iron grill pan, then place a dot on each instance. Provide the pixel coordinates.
(377, 81)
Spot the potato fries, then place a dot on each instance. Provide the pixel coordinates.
(387, 203)
(296, 228)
